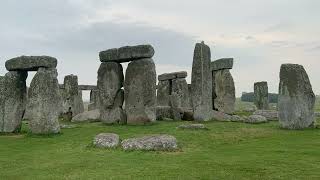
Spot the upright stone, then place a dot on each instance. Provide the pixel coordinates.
(296, 98)
(13, 101)
(110, 82)
(261, 96)
(72, 96)
(94, 100)
(140, 92)
(224, 96)
(44, 102)
(180, 93)
(163, 92)
(201, 83)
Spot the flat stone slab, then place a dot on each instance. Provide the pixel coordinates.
(220, 64)
(87, 87)
(173, 75)
(87, 116)
(127, 53)
(269, 114)
(151, 143)
(193, 126)
(30, 63)
(106, 140)
(255, 119)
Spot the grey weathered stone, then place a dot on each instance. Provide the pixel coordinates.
(221, 64)
(261, 96)
(72, 96)
(163, 93)
(224, 95)
(296, 98)
(44, 102)
(140, 92)
(87, 87)
(127, 53)
(180, 93)
(106, 140)
(269, 114)
(190, 95)
(110, 82)
(87, 116)
(151, 143)
(13, 101)
(236, 118)
(67, 126)
(30, 63)
(220, 116)
(94, 100)
(173, 75)
(193, 126)
(168, 112)
(201, 83)
(255, 119)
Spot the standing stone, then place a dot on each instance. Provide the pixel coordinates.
(72, 96)
(140, 92)
(12, 101)
(111, 96)
(296, 98)
(44, 102)
(224, 96)
(163, 92)
(94, 101)
(261, 97)
(180, 93)
(201, 82)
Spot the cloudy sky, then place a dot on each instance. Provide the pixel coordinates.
(259, 34)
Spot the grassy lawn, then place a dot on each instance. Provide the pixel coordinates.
(226, 151)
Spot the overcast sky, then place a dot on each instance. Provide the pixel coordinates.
(259, 34)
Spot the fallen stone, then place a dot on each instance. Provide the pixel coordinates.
(13, 101)
(174, 75)
(224, 96)
(296, 98)
(30, 63)
(140, 92)
(220, 116)
(44, 102)
(67, 126)
(87, 116)
(106, 140)
(111, 96)
(221, 64)
(261, 96)
(201, 83)
(269, 114)
(151, 143)
(255, 119)
(193, 126)
(127, 53)
(236, 118)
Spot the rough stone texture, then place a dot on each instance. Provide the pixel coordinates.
(30, 63)
(174, 75)
(44, 102)
(72, 96)
(140, 92)
(296, 98)
(269, 114)
(87, 87)
(261, 96)
(236, 118)
(193, 126)
(151, 143)
(201, 83)
(168, 112)
(106, 140)
(127, 53)
(110, 82)
(190, 96)
(87, 116)
(163, 93)
(317, 114)
(224, 96)
(180, 93)
(220, 64)
(12, 101)
(67, 126)
(220, 116)
(94, 100)
(255, 119)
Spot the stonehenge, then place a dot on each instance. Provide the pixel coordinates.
(223, 88)
(261, 98)
(44, 98)
(137, 90)
(296, 98)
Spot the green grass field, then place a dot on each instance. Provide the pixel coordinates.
(226, 151)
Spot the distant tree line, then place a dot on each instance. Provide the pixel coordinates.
(249, 97)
